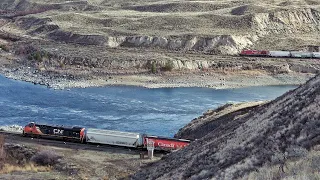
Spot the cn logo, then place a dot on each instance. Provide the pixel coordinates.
(57, 131)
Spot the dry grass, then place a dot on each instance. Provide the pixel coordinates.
(2, 153)
(8, 168)
(304, 168)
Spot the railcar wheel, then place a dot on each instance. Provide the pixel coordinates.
(24, 134)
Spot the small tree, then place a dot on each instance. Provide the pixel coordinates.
(37, 56)
(4, 47)
(153, 67)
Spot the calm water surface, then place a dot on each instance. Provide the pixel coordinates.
(154, 111)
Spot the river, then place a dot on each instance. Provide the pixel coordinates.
(160, 111)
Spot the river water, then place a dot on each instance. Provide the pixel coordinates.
(134, 109)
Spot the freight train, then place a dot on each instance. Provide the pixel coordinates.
(280, 54)
(99, 136)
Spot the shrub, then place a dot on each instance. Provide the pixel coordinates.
(2, 153)
(45, 158)
(4, 47)
(61, 64)
(37, 56)
(295, 152)
(45, 55)
(153, 67)
(30, 57)
(168, 66)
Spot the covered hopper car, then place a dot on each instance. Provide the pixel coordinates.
(118, 138)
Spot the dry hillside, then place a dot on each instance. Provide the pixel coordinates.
(93, 40)
(222, 26)
(212, 119)
(234, 149)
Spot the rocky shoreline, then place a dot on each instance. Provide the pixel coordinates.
(168, 80)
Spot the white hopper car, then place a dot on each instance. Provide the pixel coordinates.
(316, 54)
(279, 53)
(299, 54)
(118, 138)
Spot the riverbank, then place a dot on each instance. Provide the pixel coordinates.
(224, 73)
(216, 80)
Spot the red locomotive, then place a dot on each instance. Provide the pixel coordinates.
(254, 53)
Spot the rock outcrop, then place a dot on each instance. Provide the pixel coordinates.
(241, 146)
(220, 44)
(69, 37)
(287, 21)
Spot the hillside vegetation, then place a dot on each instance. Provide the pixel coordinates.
(269, 134)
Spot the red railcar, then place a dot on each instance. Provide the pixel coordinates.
(254, 53)
(167, 144)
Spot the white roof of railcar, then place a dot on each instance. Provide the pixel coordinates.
(301, 52)
(103, 131)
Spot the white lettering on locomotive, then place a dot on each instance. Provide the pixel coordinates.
(57, 131)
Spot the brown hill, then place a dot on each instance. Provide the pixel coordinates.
(239, 147)
(212, 119)
(179, 7)
(219, 27)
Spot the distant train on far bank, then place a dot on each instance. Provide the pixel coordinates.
(280, 54)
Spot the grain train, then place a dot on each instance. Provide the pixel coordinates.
(280, 54)
(99, 136)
